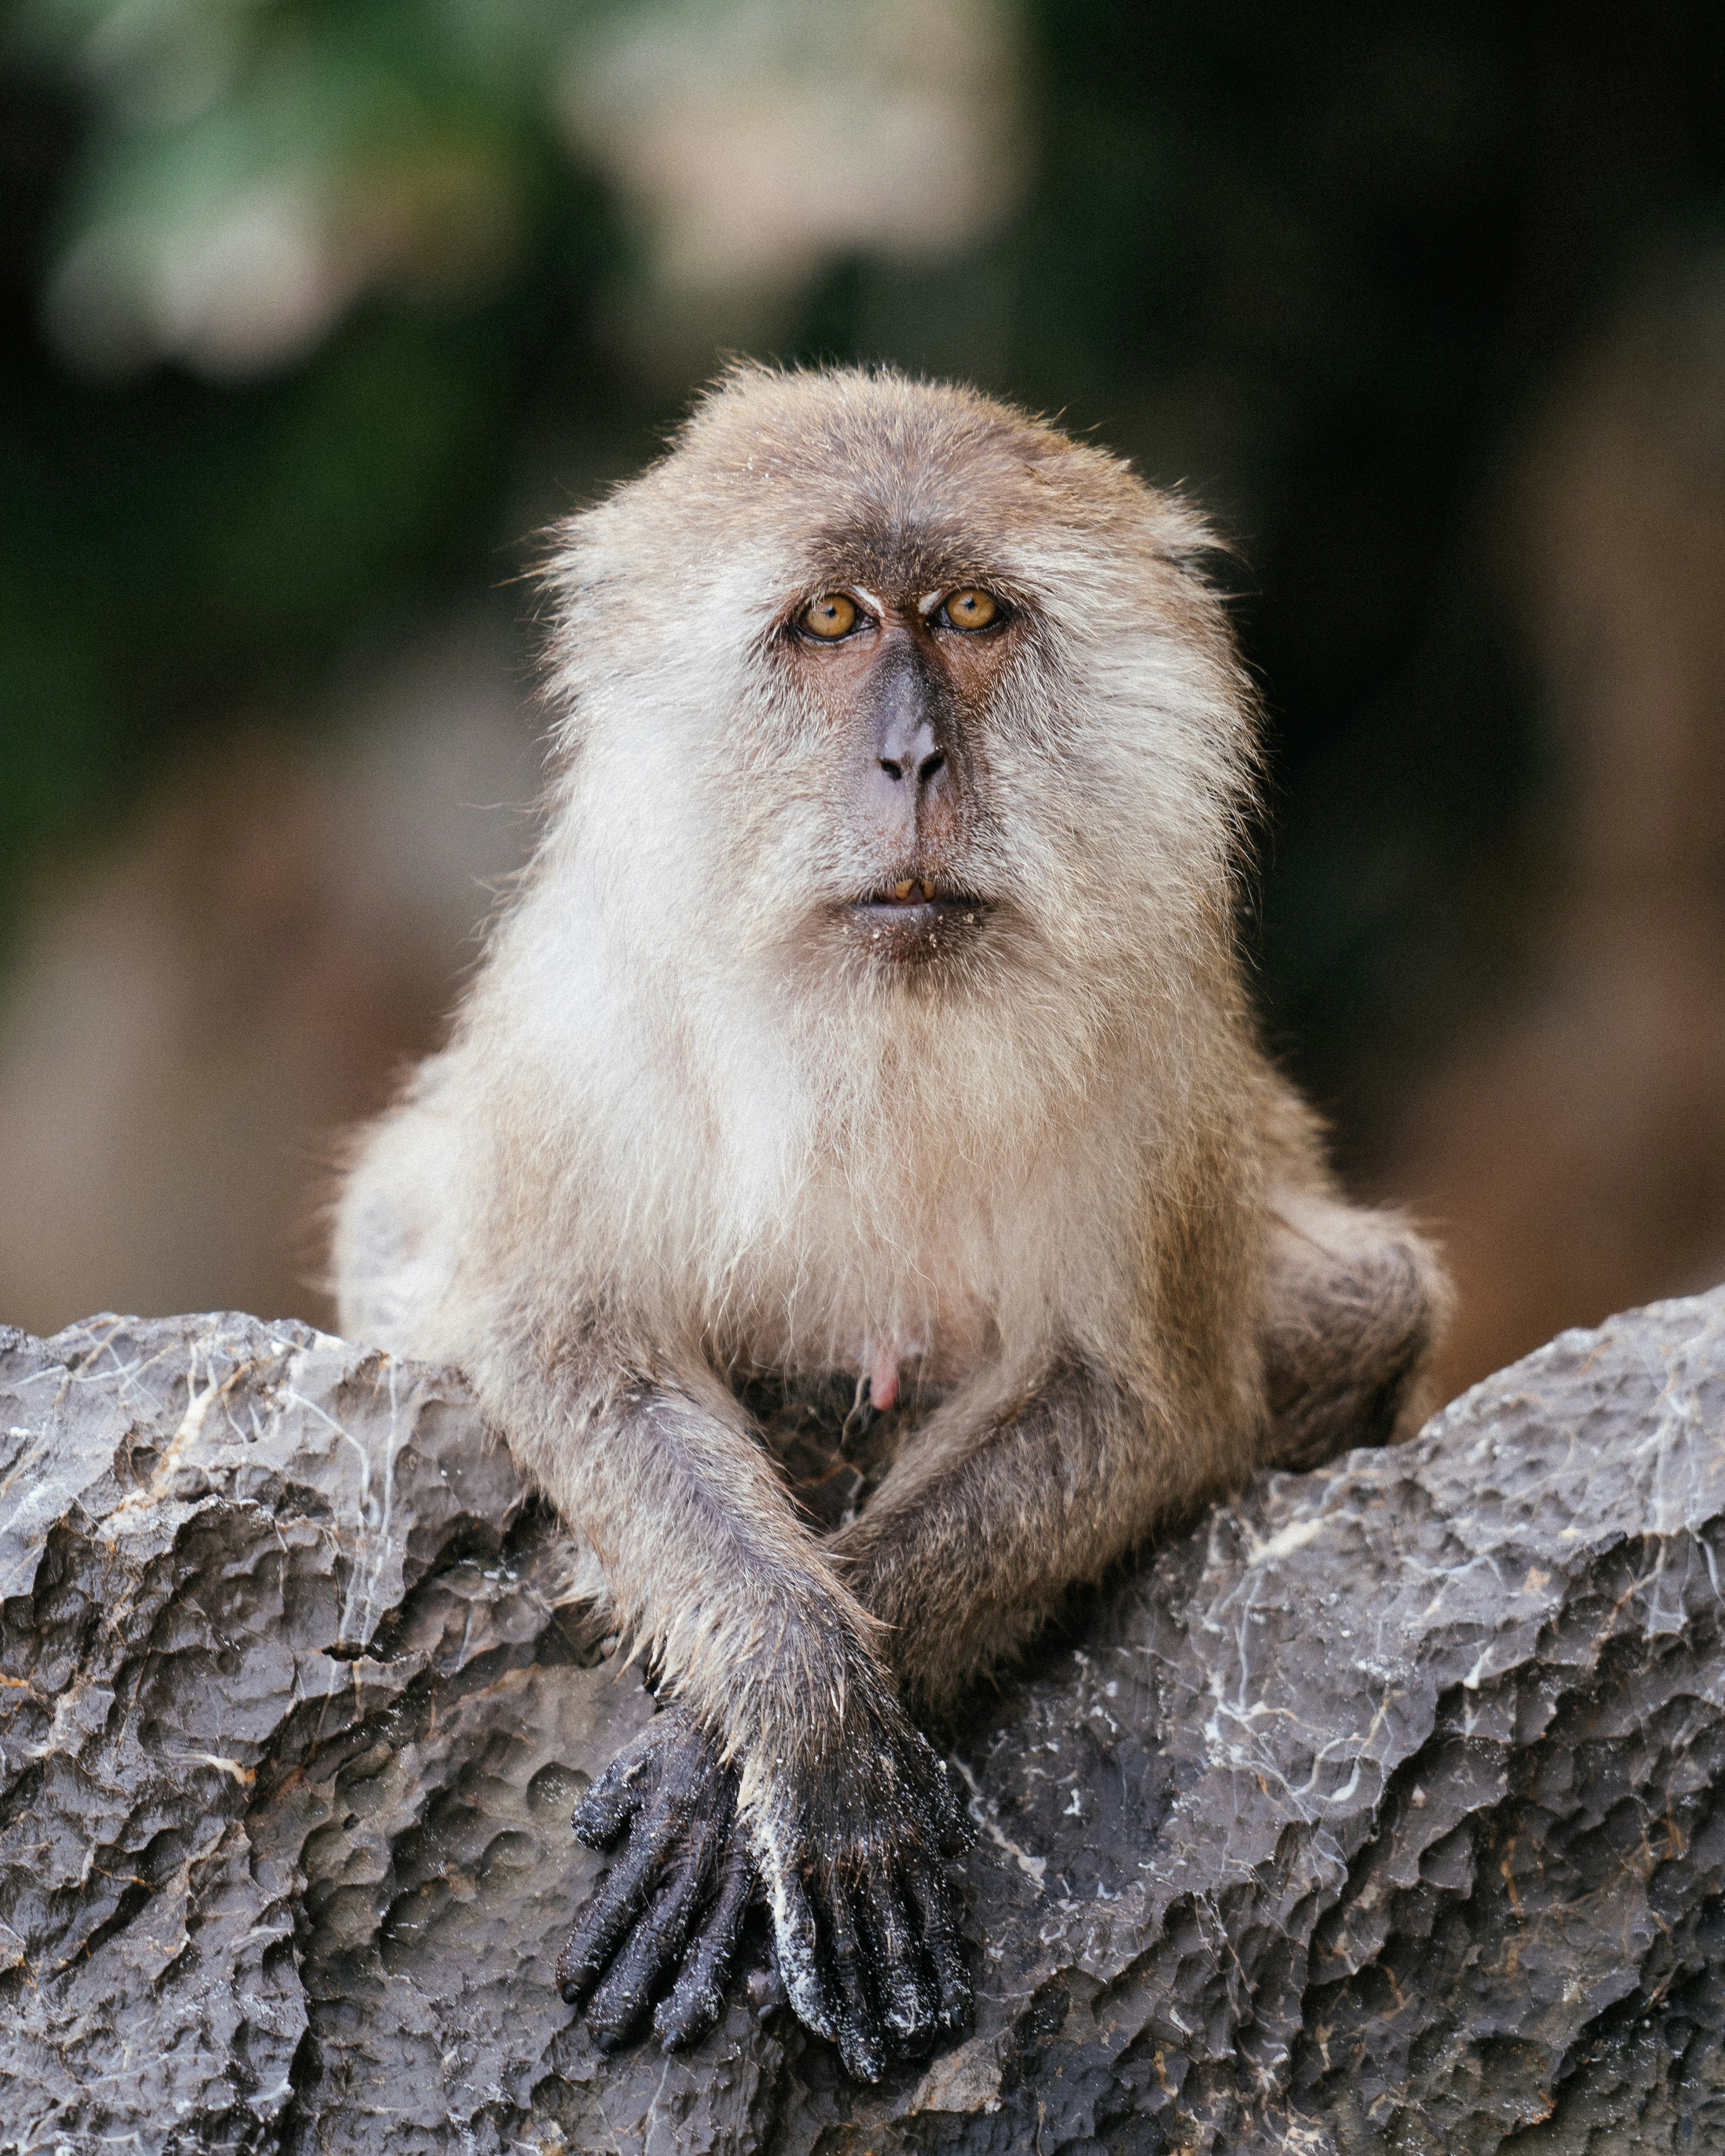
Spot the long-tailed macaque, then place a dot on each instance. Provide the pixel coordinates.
(869, 1028)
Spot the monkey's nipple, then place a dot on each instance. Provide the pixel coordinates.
(883, 1379)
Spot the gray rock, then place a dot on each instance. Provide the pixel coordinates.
(1377, 1812)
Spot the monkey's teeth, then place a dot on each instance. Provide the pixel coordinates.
(904, 890)
(930, 891)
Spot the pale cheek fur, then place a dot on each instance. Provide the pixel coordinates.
(812, 1176)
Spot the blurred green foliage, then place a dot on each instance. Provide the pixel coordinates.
(1316, 261)
(429, 116)
(173, 547)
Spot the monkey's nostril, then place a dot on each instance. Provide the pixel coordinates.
(930, 766)
(892, 769)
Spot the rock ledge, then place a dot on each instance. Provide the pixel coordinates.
(1376, 1813)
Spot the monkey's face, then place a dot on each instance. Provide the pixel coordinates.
(876, 685)
(902, 681)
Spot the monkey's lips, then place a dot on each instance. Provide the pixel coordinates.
(915, 919)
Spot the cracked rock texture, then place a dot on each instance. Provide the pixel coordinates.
(1376, 1813)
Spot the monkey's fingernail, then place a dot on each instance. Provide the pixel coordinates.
(904, 890)
(765, 1991)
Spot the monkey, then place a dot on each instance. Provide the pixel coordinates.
(871, 1025)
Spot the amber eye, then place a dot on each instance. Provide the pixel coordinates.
(830, 616)
(972, 609)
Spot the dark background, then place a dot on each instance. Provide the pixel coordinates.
(312, 313)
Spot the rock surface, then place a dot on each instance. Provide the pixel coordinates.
(1376, 1813)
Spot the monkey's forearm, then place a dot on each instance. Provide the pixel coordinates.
(841, 1810)
(1002, 1507)
(972, 1540)
(711, 1572)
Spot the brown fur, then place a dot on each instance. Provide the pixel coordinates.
(691, 1127)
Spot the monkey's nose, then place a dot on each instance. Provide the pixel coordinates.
(907, 748)
(926, 763)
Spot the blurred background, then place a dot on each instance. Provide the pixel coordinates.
(315, 310)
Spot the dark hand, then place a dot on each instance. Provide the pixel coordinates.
(676, 1896)
(864, 1919)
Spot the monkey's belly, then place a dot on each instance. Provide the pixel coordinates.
(830, 1445)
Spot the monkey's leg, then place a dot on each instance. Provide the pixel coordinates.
(1355, 1304)
(770, 1662)
(1000, 1508)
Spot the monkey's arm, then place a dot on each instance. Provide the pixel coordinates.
(1007, 1502)
(1000, 1508)
(781, 1715)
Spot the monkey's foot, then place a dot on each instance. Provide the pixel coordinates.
(864, 1919)
(665, 1920)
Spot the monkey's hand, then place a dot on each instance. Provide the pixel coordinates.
(864, 1916)
(672, 1904)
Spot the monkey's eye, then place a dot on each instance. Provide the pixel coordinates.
(829, 617)
(971, 609)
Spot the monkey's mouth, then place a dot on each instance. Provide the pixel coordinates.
(914, 917)
(912, 891)
(920, 895)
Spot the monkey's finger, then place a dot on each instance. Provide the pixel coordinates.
(651, 1951)
(698, 1998)
(861, 2044)
(601, 1824)
(658, 1830)
(764, 1989)
(599, 1929)
(797, 1943)
(703, 1806)
(936, 1910)
(907, 1998)
(612, 1801)
(588, 1952)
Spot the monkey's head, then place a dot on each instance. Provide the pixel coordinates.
(880, 680)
